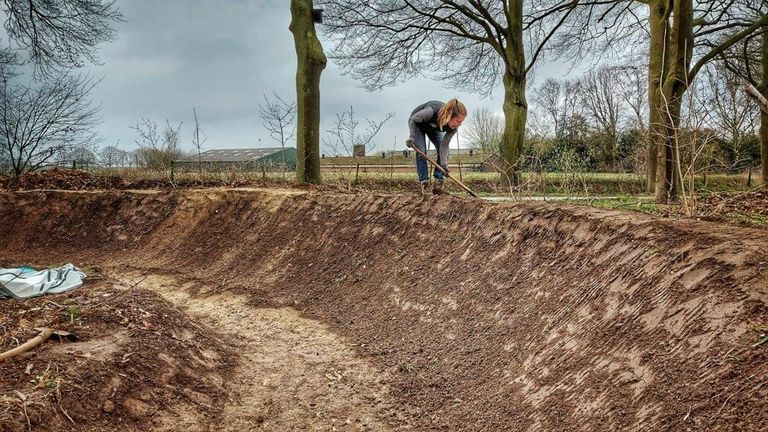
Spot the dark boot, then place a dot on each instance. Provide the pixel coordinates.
(439, 188)
(425, 187)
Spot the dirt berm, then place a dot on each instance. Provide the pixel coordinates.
(326, 311)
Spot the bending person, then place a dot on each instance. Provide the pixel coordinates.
(437, 121)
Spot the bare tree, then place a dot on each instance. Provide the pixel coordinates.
(733, 114)
(9, 60)
(111, 156)
(135, 158)
(538, 125)
(675, 63)
(279, 117)
(572, 107)
(560, 100)
(345, 134)
(78, 157)
(631, 88)
(603, 106)
(5, 162)
(60, 33)
(682, 36)
(485, 130)
(695, 142)
(548, 96)
(472, 45)
(614, 29)
(157, 150)
(749, 61)
(197, 142)
(42, 120)
(39, 122)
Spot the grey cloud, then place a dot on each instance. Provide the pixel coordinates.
(221, 57)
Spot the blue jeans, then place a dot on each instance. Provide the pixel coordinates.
(422, 168)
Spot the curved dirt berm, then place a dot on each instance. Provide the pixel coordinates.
(473, 316)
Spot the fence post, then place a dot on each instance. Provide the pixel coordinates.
(357, 173)
(172, 171)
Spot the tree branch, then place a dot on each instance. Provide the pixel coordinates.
(725, 45)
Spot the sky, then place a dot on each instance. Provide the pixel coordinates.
(220, 57)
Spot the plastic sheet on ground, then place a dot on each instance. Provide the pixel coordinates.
(24, 282)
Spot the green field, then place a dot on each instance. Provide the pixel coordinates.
(485, 183)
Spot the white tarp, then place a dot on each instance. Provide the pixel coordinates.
(20, 283)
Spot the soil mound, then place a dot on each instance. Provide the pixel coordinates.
(64, 179)
(136, 360)
(481, 316)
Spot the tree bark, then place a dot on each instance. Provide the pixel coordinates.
(666, 165)
(515, 116)
(311, 62)
(763, 88)
(678, 51)
(658, 29)
(515, 104)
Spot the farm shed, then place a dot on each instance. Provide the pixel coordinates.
(245, 158)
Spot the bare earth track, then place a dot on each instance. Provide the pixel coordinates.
(255, 309)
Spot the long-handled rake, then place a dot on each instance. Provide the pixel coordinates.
(437, 166)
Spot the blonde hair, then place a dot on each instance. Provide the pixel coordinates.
(451, 109)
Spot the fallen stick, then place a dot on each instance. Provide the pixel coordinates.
(28, 345)
(122, 293)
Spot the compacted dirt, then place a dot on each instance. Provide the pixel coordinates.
(286, 310)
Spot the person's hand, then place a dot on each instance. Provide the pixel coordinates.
(410, 142)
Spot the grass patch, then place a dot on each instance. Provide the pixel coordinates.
(642, 203)
(50, 379)
(71, 313)
(750, 219)
(629, 187)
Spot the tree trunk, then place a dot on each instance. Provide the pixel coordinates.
(311, 62)
(515, 116)
(678, 51)
(658, 29)
(763, 88)
(515, 104)
(666, 180)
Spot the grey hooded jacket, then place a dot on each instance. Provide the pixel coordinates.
(424, 119)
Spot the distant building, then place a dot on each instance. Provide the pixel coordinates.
(430, 152)
(244, 158)
(358, 150)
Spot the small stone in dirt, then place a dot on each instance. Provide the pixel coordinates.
(22, 397)
(108, 406)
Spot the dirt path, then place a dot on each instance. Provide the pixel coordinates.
(293, 374)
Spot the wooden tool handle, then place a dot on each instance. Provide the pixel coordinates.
(437, 166)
